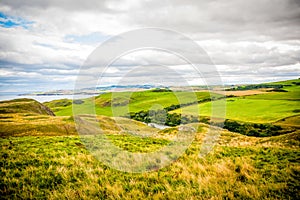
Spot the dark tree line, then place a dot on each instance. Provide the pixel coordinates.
(252, 87)
(250, 129)
(162, 117)
(253, 129)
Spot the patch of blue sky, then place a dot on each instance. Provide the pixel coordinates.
(91, 38)
(46, 45)
(8, 21)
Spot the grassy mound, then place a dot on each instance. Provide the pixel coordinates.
(22, 117)
(57, 105)
(24, 106)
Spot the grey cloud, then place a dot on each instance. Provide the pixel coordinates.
(234, 20)
(69, 5)
(257, 38)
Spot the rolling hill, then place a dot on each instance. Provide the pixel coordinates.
(124, 102)
(24, 106)
(258, 108)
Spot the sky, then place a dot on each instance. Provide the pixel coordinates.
(44, 44)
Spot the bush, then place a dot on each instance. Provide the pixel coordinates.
(78, 101)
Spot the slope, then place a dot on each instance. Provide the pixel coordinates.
(24, 106)
(120, 103)
(260, 108)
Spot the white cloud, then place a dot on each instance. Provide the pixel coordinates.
(246, 40)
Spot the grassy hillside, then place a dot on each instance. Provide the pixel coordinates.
(290, 91)
(124, 102)
(259, 108)
(42, 125)
(24, 106)
(248, 110)
(28, 117)
(60, 104)
(287, 83)
(239, 167)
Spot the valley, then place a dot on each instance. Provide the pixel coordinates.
(256, 155)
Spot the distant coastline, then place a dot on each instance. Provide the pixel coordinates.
(42, 97)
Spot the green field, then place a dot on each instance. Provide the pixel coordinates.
(293, 92)
(259, 108)
(120, 103)
(247, 109)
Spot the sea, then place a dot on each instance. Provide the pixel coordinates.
(41, 98)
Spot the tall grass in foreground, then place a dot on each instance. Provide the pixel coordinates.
(240, 167)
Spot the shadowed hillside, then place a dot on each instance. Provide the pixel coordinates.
(24, 106)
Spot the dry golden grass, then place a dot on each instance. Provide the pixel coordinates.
(57, 168)
(24, 124)
(135, 127)
(293, 121)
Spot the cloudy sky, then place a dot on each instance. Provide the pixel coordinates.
(44, 43)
